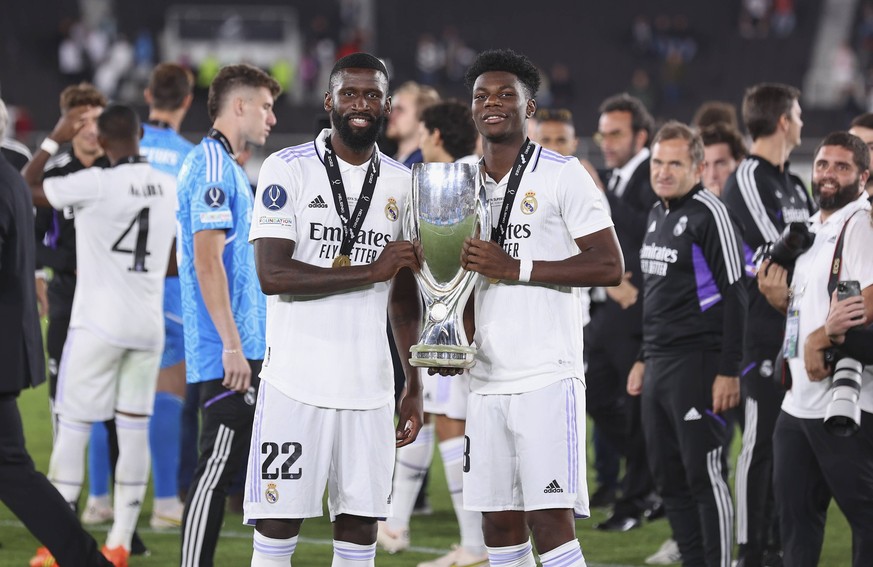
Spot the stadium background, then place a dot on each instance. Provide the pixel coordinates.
(695, 51)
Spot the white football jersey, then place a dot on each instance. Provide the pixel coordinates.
(125, 225)
(529, 335)
(330, 350)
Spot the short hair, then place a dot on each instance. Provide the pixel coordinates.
(561, 115)
(675, 130)
(4, 119)
(454, 120)
(231, 77)
(508, 61)
(425, 95)
(118, 122)
(764, 104)
(83, 94)
(860, 152)
(863, 121)
(169, 84)
(640, 117)
(358, 60)
(721, 133)
(715, 112)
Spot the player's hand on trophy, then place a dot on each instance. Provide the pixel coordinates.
(69, 124)
(396, 255)
(489, 259)
(237, 372)
(445, 371)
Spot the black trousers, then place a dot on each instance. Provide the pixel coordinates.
(33, 499)
(761, 400)
(810, 467)
(225, 435)
(685, 444)
(617, 415)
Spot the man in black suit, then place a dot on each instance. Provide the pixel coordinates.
(26, 492)
(624, 131)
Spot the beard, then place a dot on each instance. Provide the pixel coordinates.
(844, 195)
(357, 140)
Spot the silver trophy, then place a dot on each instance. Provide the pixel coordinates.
(448, 206)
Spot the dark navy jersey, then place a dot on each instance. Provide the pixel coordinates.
(764, 198)
(693, 282)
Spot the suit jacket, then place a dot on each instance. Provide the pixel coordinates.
(629, 214)
(21, 350)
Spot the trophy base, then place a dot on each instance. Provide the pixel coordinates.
(429, 356)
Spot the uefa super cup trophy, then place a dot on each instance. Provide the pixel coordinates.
(448, 205)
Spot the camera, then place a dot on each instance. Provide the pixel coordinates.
(794, 241)
(843, 414)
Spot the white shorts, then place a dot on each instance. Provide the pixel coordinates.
(445, 395)
(97, 378)
(527, 451)
(298, 448)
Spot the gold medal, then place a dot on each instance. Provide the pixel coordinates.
(342, 261)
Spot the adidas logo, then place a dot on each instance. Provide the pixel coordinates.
(318, 203)
(553, 488)
(692, 415)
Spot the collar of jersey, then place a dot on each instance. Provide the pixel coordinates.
(840, 215)
(343, 165)
(673, 204)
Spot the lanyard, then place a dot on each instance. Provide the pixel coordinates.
(164, 125)
(130, 159)
(351, 225)
(216, 135)
(498, 233)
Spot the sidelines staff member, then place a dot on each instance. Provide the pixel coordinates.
(694, 309)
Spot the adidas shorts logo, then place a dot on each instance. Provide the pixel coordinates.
(318, 203)
(553, 488)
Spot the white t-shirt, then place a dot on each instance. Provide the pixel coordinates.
(807, 399)
(529, 335)
(125, 225)
(328, 350)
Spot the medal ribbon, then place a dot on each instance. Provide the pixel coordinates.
(498, 233)
(216, 135)
(351, 225)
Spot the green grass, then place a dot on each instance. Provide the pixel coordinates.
(431, 535)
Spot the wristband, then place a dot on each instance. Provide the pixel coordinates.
(40, 275)
(524, 270)
(49, 146)
(230, 351)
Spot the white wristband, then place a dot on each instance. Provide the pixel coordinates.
(49, 146)
(40, 275)
(524, 270)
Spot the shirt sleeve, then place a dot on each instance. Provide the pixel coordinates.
(582, 204)
(211, 196)
(74, 190)
(856, 264)
(274, 214)
(722, 249)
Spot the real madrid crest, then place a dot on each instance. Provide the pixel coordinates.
(271, 493)
(679, 228)
(529, 203)
(391, 210)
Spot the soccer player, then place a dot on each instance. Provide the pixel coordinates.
(327, 235)
(694, 309)
(764, 196)
(447, 135)
(125, 229)
(223, 309)
(525, 459)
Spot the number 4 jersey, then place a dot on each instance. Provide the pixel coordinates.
(125, 225)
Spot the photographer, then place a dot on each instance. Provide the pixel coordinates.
(811, 465)
(839, 327)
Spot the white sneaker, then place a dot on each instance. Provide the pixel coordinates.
(97, 511)
(458, 557)
(390, 540)
(168, 517)
(667, 554)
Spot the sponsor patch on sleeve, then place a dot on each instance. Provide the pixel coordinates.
(281, 221)
(216, 216)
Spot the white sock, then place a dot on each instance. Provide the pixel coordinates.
(269, 552)
(469, 522)
(67, 463)
(347, 554)
(166, 506)
(566, 555)
(411, 464)
(131, 477)
(512, 555)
